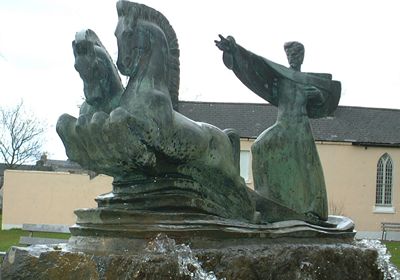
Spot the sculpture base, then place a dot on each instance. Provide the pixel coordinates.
(163, 259)
(112, 230)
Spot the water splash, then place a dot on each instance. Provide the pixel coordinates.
(188, 263)
(390, 272)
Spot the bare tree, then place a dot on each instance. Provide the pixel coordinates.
(20, 136)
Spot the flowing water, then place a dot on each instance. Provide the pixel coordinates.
(188, 262)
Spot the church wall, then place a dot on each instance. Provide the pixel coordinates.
(350, 174)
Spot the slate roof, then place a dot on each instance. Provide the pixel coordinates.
(22, 167)
(49, 165)
(25, 167)
(358, 125)
(63, 165)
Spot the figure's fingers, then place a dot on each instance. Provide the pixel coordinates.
(219, 45)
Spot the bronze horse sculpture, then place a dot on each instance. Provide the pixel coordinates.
(138, 138)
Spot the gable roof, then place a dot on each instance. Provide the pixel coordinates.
(357, 125)
(63, 165)
(3, 167)
(47, 165)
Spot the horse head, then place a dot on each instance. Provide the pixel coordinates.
(147, 47)
(102, 84)
(134, 47)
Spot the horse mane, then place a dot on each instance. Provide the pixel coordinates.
(135, 11)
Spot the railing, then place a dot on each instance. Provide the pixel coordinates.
(32, 228)
(389, 227)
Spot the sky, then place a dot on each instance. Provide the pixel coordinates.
(356, 41)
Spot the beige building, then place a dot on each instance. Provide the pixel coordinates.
(359, 150)
(44, 197)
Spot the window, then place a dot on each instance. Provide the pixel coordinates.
(245, 165)
(384, 181)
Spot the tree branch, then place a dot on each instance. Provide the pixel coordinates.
(20, 136)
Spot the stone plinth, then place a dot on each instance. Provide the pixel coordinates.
(103, 230)
(163, 259)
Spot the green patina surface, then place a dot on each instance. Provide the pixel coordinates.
(163, 161)
(160, 160)
(286, 165)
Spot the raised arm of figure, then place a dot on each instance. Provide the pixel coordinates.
(228, 46)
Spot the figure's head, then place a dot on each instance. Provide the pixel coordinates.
(295, 54)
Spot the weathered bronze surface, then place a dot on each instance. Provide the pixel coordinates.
(160, 160)
(181, 178)
(177, 176)
(286, 165)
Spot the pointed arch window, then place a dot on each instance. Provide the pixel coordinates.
(384, 181)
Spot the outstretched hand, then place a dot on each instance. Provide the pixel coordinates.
(225, 44)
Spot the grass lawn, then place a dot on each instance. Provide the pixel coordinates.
(394, 249)
(11, 237)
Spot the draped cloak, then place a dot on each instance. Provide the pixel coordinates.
(286, 165)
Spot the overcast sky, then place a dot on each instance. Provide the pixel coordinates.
(356, 41)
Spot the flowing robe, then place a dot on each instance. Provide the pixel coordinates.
(286, 165)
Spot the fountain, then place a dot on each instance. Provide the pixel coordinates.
(179, 208)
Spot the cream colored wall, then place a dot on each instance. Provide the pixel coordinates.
(48, 197)
(350, 176)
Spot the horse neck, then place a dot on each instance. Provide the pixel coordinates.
(116, 86)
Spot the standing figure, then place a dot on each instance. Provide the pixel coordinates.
(286, 165)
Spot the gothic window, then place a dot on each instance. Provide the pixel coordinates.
(384, 181)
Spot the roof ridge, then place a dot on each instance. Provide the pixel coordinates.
(268, 104)
(369, 108)
(217, 102)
